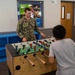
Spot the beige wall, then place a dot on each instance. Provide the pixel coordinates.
(67, 0)
(51, 13)
(8, 14)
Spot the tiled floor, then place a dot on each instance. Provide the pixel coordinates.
(4, 70)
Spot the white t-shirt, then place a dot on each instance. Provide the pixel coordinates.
(64, 52)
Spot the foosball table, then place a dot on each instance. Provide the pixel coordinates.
(29, 58)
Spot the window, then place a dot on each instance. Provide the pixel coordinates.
(37, 7)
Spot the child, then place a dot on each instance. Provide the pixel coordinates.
(63, 49)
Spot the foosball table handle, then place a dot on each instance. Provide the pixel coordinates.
(44, 54)
(29, 61)
(39, 59)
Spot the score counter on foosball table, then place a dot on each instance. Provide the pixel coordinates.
(29, 58)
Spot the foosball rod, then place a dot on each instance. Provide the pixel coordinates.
(37, 56)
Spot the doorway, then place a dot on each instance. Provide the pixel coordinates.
(67, 17)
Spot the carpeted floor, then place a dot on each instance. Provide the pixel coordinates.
(4, 70)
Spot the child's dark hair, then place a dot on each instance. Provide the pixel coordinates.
(27, 9)
(59, 32)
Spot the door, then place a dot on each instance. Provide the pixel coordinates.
(67, 17)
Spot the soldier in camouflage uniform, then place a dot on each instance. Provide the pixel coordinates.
(26, 27)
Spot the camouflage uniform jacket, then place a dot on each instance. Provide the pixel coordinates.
(26, 29)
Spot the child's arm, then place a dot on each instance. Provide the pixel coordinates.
(51, 55)
(51, 60)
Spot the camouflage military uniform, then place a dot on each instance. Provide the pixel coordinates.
(26, 29)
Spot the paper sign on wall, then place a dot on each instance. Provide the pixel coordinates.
(68, 15)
